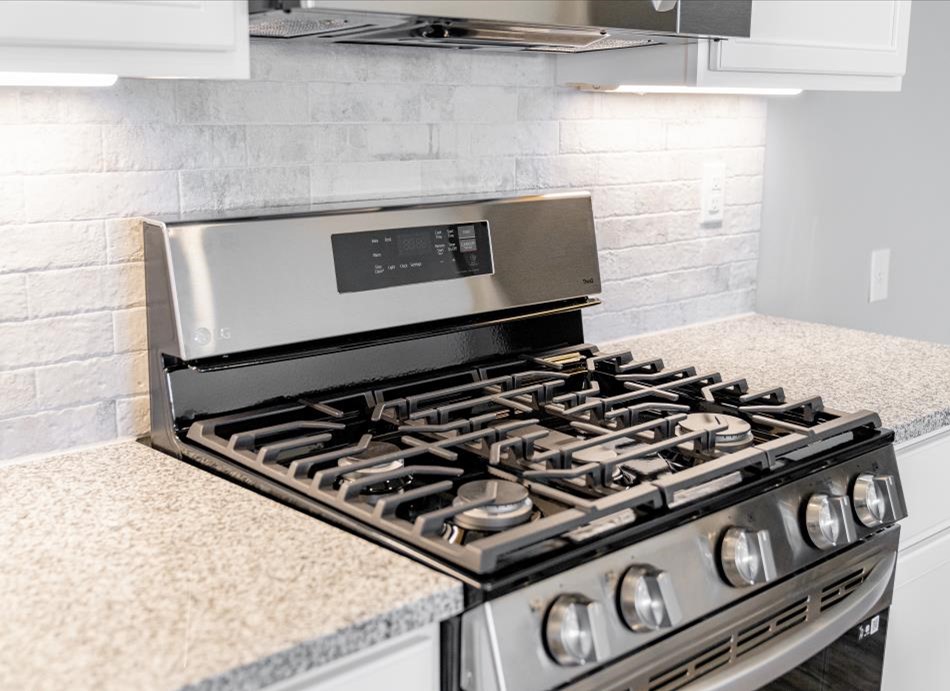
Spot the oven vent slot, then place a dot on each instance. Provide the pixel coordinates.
(835, 592)
(753, 636)
(689, 670)
(728, 650)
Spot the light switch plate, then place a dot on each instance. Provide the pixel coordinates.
(880, 274)
(713, 193)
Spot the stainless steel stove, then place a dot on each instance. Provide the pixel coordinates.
(417, 373)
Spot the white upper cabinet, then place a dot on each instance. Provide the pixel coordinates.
(845, 45)
(130, 38)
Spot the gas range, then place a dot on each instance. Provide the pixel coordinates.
(417, 373)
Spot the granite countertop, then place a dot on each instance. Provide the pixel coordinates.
(907, 382)
(123, 568)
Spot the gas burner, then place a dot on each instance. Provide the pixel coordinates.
(373, 450)
(628, 472)
(511, 506)
(737, 435)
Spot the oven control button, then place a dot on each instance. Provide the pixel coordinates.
(572, 630)
(746, 557)
(647, 600)
(828, 521)
(873, 497)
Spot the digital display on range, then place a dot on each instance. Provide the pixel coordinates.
(414, 243)
(385, 258)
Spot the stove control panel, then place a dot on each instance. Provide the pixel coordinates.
(375, 259)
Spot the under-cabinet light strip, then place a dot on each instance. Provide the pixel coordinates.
(56, 79)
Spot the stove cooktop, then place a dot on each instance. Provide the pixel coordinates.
(498, 464)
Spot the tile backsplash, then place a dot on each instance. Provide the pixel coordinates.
(337, 122)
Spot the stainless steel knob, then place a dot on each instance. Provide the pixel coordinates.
(647, 599)
(828, 521)
(873, 497)
(571, 630)
(746, 557)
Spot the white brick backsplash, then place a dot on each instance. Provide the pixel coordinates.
(656, 259)
(744, 190)
(97, 195)
(88, 381)
(269, 145)
(9, 106)
(129, 101)
(389, 142)
(129, 328)
(532, 70)
(695, 134)
(13, 302)
(240, 102)
(41, 105)
(242, 188)
(556, 171)
(172, 147)
(50, 148)
(363, 102)
(131, 416)
(124, 240)
(474, 175)
(23, 344)
(482, 103)
(11, 199)
(586, 136)
(52, 245)
(318, 123)
(57, 429)
(464, 140)
(365, 180)
(19, 393)
(87, 289)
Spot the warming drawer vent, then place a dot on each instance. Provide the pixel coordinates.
(763, 630)
(833, 593)
(692, 668)
(728, 650)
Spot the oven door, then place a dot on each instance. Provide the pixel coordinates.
(823, 628)
(854, 661)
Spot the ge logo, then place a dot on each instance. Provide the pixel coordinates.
(224, 333)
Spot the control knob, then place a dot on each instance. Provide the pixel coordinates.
(572, 630)
(873, 497)
(647, 600)
(746, 557)
(828, 521)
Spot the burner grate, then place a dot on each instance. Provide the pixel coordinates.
(563, 425)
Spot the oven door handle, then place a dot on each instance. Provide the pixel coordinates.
(772, 661)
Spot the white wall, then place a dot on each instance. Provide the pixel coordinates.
(336, 122)
(848, 173)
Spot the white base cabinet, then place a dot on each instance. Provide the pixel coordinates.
(918, 636)
(406, 663)
(130, 38)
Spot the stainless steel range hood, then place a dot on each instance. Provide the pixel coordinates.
(559, 26)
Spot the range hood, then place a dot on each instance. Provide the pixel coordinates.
(556, 26)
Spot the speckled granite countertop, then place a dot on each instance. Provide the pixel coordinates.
(122, 568)
(907, 382)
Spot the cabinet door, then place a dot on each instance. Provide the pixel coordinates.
(925, 473)
(407, 663)
(918, 635)
(820, 37)
(136, 38)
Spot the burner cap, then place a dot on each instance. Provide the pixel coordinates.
(601, 453)
(737, 435)
(512, 505)
(374, 449)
